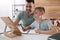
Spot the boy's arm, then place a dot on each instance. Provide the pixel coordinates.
(26, 28)
(52, 31)
(29, 27)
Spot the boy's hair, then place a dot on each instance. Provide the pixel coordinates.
(29, 1)
(40, 8)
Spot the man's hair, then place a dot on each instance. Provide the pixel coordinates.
(40, 8)
(29, 1)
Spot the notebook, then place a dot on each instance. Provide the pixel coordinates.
(54, 37)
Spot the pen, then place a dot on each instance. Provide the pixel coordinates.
(22, 27)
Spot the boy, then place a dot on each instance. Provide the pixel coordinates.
(43, 26)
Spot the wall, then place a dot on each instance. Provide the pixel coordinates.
(51, 7)
(6, 10)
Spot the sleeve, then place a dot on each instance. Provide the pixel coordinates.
(19, 16)
(35, 25)
(32, 25)
(49, 24)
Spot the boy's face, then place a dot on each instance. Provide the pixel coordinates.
(37, 14)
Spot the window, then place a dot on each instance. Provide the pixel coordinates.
(16, 9)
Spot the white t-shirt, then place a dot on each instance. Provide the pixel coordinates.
(44, 25)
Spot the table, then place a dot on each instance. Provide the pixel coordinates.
(27, 37)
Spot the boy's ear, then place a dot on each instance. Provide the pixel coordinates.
(42, 13)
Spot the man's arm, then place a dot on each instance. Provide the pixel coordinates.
(52, 31)
(18, 19)
(16, 22)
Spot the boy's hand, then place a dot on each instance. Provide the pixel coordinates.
(37, 31)
(23, 29)
(26, 28)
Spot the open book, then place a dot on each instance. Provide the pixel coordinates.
(14, 30)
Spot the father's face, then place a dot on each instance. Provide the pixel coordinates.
(29, 7)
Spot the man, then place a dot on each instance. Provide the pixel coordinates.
(43, 26)
(26, 16)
